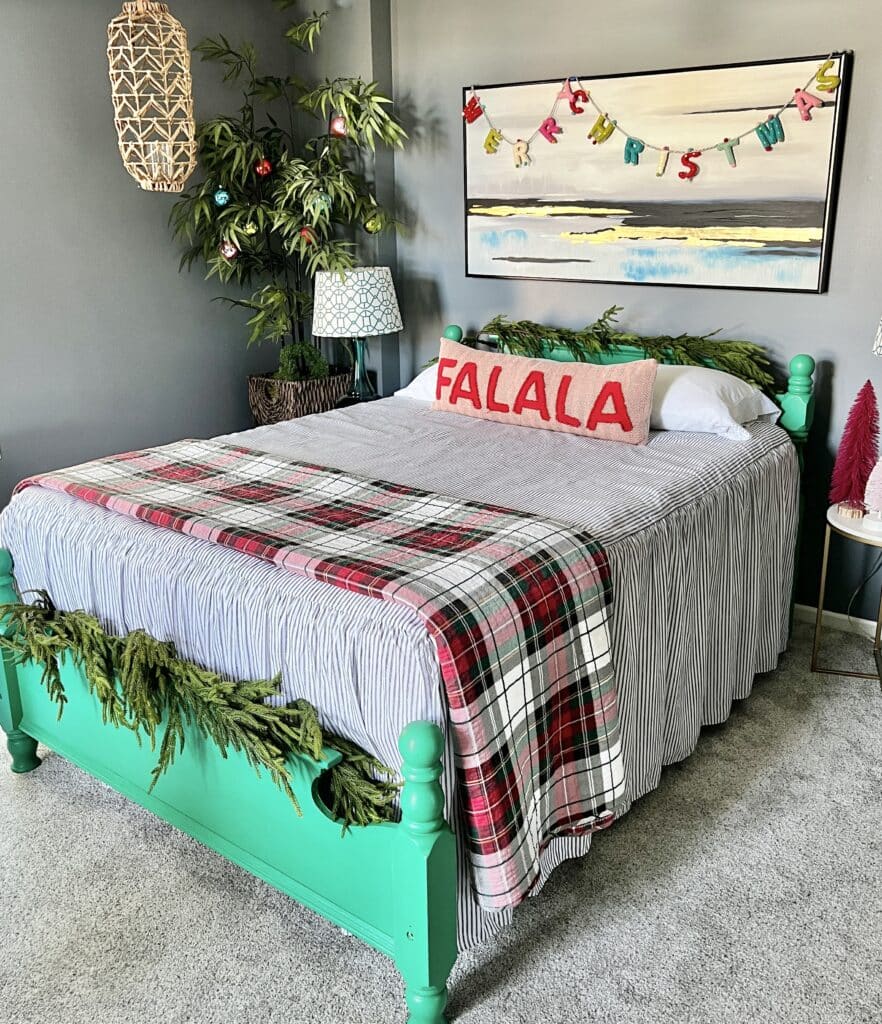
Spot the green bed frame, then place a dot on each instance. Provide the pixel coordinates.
(392, 885)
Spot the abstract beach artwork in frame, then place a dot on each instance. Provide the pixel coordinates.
(689, 177)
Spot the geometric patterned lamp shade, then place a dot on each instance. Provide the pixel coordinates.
(360, 303)
(152, 90)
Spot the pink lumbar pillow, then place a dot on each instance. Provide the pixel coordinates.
(609, 402)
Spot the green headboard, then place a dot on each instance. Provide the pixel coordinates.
(797, 402)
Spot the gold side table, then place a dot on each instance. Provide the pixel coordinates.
(853, 529)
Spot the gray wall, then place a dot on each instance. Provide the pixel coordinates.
(103, 345)
(439, 48)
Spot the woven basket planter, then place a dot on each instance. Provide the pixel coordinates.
(274, 400)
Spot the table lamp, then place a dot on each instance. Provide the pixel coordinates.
(357, 304)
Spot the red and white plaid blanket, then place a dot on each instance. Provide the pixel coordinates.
(517, 607)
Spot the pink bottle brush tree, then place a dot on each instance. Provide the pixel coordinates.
(858, 449)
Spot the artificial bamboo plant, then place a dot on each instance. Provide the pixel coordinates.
(286, 189)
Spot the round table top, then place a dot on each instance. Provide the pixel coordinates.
(854, 528)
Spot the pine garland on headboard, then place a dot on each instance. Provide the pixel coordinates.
(743, 359)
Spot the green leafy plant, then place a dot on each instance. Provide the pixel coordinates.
(296, 356)
(143, 685)
(743, 359)
(286, 191)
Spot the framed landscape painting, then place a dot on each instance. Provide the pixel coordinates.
(721, 177)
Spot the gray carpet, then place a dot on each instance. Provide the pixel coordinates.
(745, 889)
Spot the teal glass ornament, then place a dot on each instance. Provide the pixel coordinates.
(221, 197)
(321, 204)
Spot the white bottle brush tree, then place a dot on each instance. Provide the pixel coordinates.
(277, 202)
(873, 493)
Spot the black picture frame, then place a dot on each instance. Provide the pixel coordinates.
(834, 170)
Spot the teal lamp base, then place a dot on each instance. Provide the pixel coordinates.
(362, 390)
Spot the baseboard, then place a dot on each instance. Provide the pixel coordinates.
(836, 620)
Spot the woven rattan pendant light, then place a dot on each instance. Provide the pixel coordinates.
(152, 95)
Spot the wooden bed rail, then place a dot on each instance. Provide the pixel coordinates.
(392, 884)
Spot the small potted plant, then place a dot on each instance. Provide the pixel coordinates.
(277, 203)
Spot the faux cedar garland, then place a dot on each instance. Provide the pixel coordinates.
(858, 449)
(742, 359)
(142, 685)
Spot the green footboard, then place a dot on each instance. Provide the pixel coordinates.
(393, 885)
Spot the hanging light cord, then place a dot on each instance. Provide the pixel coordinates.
(877, 566)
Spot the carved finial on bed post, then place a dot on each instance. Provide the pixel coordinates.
(425, 870)
(798, 402)
(21, 746)
(422, 801)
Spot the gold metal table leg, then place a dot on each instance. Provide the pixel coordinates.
(816, 644)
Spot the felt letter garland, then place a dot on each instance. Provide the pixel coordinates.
(770, 132)
(472, 110)
(549, 128)
(491, 143)
(521, 151)
(727, 146)
(571, 91)
(601, 129)
(688, 161)
(580, 95)
(825, 81)
(633, 149)
(804, 102)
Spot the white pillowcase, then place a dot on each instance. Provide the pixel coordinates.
(422, 387)
(692, 398)
(707, 401)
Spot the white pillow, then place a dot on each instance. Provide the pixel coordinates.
(692, 398)
(707, 401)
(422, 387)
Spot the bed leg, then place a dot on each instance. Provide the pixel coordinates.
(22, 747)
(425, 923)
(23, 750)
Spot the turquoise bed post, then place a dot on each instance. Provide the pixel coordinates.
(21, 746)
(798, 401)
(798, 411)
(425, 877)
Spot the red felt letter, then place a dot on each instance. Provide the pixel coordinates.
(688, 161)
(443, 381)
(612, 389)
(492, 404)
(468, 375)
(535, 382)
(560, 406)
(472, 110)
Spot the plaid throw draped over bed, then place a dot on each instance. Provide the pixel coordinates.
(516, 605)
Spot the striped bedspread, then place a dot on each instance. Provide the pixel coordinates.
(516, 604)
(699, 532)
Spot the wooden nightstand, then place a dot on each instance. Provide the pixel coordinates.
(853, 529)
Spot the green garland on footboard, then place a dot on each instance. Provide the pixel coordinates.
(143, 685)
(65, 682)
